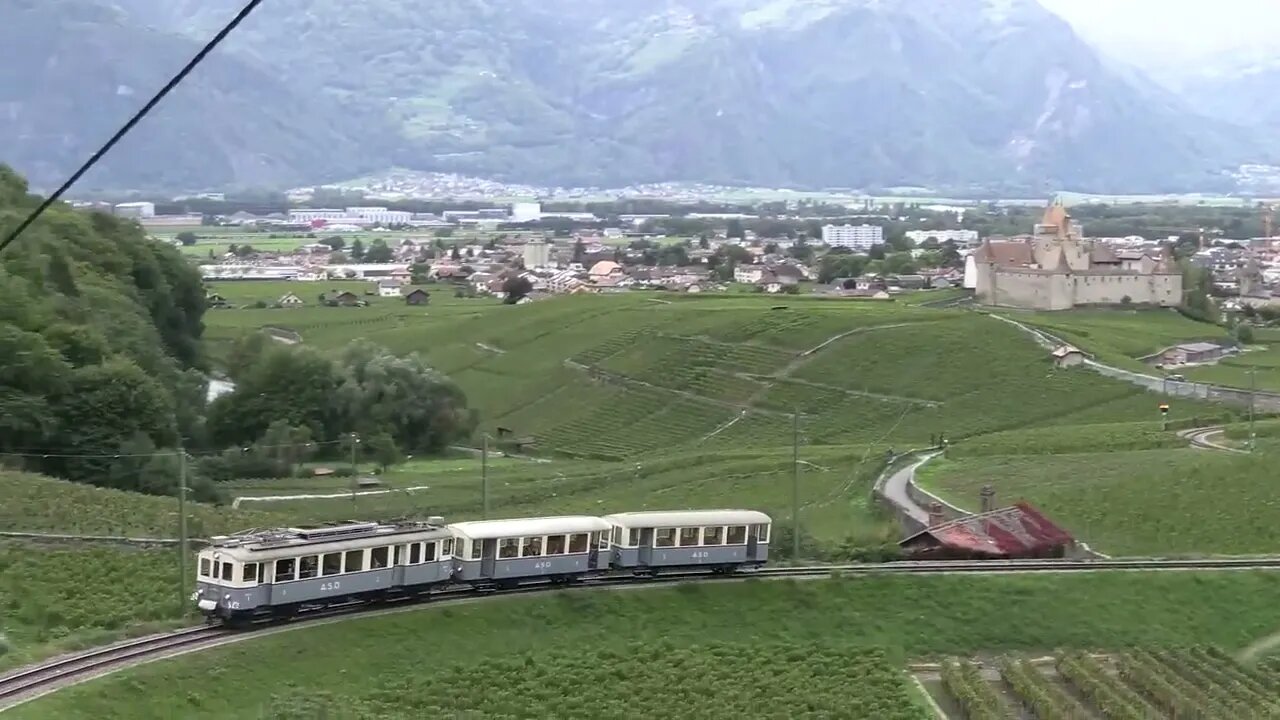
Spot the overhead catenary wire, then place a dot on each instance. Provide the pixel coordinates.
(133, 121)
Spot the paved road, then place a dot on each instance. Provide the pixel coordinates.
(895, 489)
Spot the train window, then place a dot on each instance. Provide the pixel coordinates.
(332, 564)
(578, 543)
(532, 547)
(476, 549)
(712, 536)
(284, 569)
(378, 558)
(633, 537)
(428, 552)
(415, 553)
(762, 533)
(204, 567)
(602, 540)
(308, 567)
(250, 572)
(737, 535)
(227, 573)
(447, 548)
(664, 537)
(355, 560)
(556, 544)
(689, 536)
(508, 548)
(399, 556)
(617, 535)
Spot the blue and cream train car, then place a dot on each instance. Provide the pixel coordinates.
(278, 572)
(719, 539)
(500, 552)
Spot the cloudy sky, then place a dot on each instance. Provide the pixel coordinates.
(1177, 35)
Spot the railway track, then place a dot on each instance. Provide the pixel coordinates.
(32, 682)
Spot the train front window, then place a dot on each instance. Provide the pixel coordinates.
(447, 549)
(284, 569)
(737, 535)
(227, 573)
(664, 537)
(762, 533)
(308, 567)
(578, 543)
(204, 567)
(332, 564)
(689, 536)
(250, 572)
(602, 541)
(428, 552)
(633, 537)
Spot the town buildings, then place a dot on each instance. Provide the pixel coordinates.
(855, 237)
(1058, 269)
(137, 210)
(536, 254)
(962, 238)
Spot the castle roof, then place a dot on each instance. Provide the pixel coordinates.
(1005, 254)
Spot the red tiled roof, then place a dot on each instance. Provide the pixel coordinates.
(1005, 254)
(1016, 530)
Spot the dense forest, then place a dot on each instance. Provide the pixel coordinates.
(105, 377)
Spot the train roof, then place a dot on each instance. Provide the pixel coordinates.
(286, 542)
(680, 518)
(523, 527)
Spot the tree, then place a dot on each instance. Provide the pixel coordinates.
(579, 251)
(1244, 334)
(339, 258)
(455, 253)
(444, 233)
(735, 229)
(186, 237)
(294, 384)
(703, 242)
(950, 256)
(877, 252)
(335, 242)
(378, 252)
(899, 264)
(900, 242)
(801, 250)
(516, 287)
(357, 250)
(382, 447)
(419, 273)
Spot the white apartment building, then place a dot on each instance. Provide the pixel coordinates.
(854, 237)
(352, 216)
(536, 254)
(748, 274)
(962, 238)
(381, 215)
(136, 210)
(526, 212)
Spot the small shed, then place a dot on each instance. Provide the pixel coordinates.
(289, 300)
(417, 297)
(1018, 531)
(1197, 352)
(1065, 356)
(347, 298)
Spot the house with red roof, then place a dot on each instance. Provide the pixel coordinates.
(1018, 531)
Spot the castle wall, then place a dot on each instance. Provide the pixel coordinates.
(1034, 290)
(1162, 290)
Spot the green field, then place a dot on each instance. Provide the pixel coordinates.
(1121, 337)
(872, 625)
(613, 378)
(1135, 502)
(1258, 367)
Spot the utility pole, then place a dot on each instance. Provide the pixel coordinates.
(1253, 389)
(355, 473)
(795, 484)
(182, 529)
(484, 476)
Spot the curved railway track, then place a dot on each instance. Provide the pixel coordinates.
(29, 683)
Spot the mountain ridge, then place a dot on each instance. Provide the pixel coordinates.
(1000, 95)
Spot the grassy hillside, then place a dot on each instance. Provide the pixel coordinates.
(1141, 501)
(614, 378)
(1120, 337)
(558, 643)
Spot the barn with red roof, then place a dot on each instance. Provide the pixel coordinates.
(1018, 531)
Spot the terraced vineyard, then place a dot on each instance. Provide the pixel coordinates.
(1197, 682)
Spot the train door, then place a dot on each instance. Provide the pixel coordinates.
(646, 547)
(756, 535)
(488, 556)
(397, 565)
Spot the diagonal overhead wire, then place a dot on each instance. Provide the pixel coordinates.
(124, 130)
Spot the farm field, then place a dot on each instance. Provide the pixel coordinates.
(1264, 362)
(1131, 502)
(1200, 681)
(677, 632)
(1120, 337)
(616, 377)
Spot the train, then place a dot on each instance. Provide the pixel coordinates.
(255, 575)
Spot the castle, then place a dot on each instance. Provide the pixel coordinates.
(1057, 269)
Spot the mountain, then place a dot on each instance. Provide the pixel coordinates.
(75, 71)
(996, 95)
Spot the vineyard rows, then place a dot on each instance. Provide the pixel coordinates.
(1201, 683)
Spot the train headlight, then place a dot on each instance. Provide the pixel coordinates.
(227, 597)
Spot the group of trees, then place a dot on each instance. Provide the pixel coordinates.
(104, 378)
